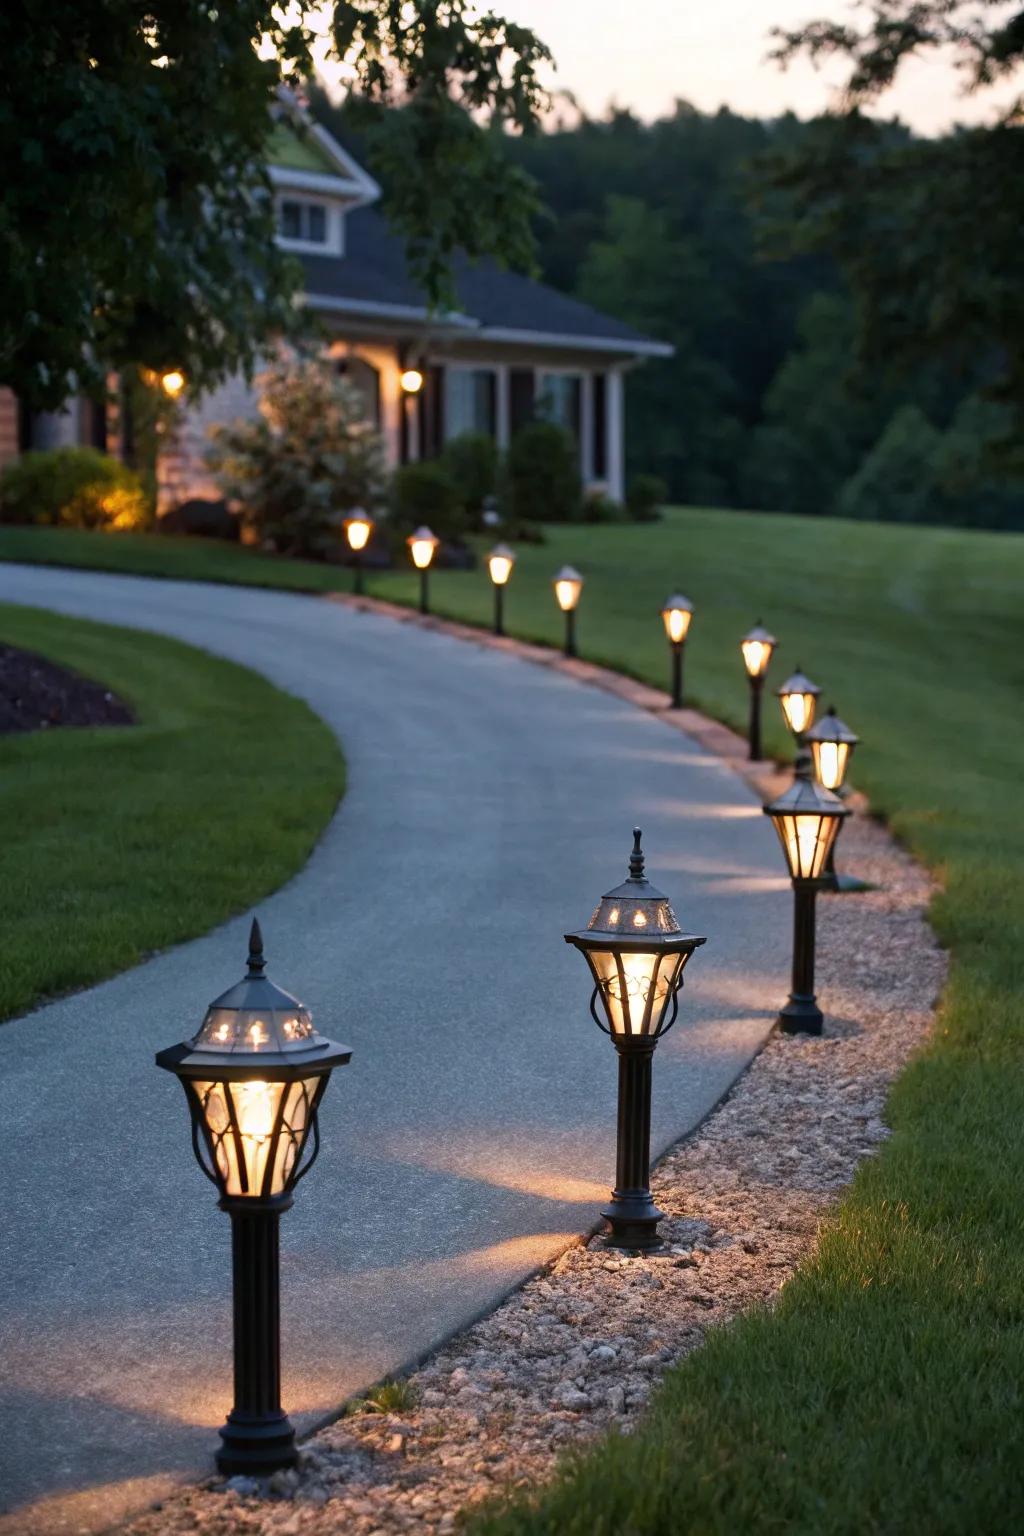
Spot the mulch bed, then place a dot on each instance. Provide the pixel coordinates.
(37, 695)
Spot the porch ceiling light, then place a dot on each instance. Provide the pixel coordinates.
(411, 381)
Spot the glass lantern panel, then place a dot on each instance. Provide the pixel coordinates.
(256, 1131)
(568, 594)
(500, 568)
(756, 655)
(799, 711)
(677, 624)
(806, 840)
(634, 988)
(245, 1031)
(358, 533)
(422, 551)
(830, 762)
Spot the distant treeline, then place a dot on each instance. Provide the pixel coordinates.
(675, 226)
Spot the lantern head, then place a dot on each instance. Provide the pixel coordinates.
(411, 380)
(172, 382)
(358, 528)
(568, 586)
(499, 563)
(254, 1076)
(422, 545)
(757, 646)
(676, 616)
(798, 697)
(636, 952)
(831, 743)
(807, 819)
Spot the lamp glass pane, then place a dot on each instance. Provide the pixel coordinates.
(568, 594)
(677, 623)
(358, 533)
(422, 551)
(830, 762)
(798, 709)
(806, 839)
(500, 568)
(256, 1131)
(634, 988)
(756, 656)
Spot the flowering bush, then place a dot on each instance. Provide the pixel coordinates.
(310, 456)
(72, 488)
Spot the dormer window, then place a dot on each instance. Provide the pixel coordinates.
(302, 220)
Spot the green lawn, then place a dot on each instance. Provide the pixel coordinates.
(121, 840)
(886, 1391)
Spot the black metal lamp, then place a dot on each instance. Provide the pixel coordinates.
(254, 1076)
(636, 952)
(568, 586)
(676, 617)
(422, 545)
(358, 528)
(798, 697)
(832, 743)
(807, 819)
(499, 567)
(756, 646)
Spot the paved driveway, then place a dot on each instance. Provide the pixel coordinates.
(489, 804)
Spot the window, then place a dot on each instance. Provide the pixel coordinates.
(364, 378)
(471, 401)
(558, 400)
(302, 221)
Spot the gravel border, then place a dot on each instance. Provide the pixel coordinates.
(580, 1347)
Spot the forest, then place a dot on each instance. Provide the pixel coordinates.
(684, 228)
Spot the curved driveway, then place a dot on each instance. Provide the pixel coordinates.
(489, 804)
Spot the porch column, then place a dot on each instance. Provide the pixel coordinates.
(502, 407)
(588, 427)
(614, 416)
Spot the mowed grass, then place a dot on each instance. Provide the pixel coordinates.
(118, 841)
(885, 1392)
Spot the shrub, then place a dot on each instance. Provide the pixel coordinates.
(202, 519)
(426, 493)
(72, 488)
(542, 477)
(645, 496)
(599, 507)
(896, 481)
(306, 461)
(472, 462)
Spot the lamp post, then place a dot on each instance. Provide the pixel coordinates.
(568, 586)
(806, 818)
(798, 697)
(358, 528)
(636, 952)
(676, 617)
(422, 545)
(831, 743)
(499, 565)
(254, 1076)
(756, 646)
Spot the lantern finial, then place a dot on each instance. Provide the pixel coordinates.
(636, 858)
(256, 960)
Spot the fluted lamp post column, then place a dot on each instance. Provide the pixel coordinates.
(422, 545)
(568, 585)
(756, 647)
(676, 616)
(358, 528)
(798, 697)
(636, 952)
(807, 819)
(499, 567)
(254, 1076)
(832, 743)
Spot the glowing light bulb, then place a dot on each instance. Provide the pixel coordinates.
(172, 382)
(755, 656)
(255, 1110)
(411, 381)
(500, 567)
(358, 530)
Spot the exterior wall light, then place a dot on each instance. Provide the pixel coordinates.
(676, 616)
(172, 382)
(254, 1076)
(499, 565)
(807, 819)
(422, 545)
(636, 952)
(358, 528)
(798, 697)
(568, 585)
(832, 743)
(411, 380)
(757, 647)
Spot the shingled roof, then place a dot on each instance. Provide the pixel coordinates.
(494, 304)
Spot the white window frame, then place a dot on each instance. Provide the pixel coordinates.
(333, 245)
(453, 368)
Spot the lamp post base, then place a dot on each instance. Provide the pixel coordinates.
(256, 1444)
(633, 1218)
(801, 1016)
(847, 885)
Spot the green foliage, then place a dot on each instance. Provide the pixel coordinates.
(895, 484)
(427, 493)
(81, 895)
(304, 462)
(471, 460)
(72, 488)
(391, 1397)
(645, 497)
(541, 478)
(598, 507)
(138, 219)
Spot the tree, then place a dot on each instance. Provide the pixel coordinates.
(927, 231)
(137, 221)
(896, 482)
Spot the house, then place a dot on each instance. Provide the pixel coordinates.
(512, 349)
